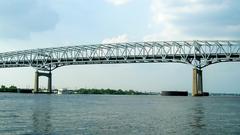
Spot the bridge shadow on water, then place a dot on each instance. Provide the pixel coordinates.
(41, 115)
(197, 116)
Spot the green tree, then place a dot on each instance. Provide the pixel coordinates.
(12, 87)
(3, 87)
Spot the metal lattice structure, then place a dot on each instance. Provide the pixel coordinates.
(197, 53)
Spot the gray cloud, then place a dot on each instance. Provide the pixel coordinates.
(187, 19)
(220, 19)
(19, 18)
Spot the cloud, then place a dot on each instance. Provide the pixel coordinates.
(194, 19)
(168, 33)
(18, 19)
(118, 39)
(118, 2)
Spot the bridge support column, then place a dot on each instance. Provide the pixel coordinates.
(37, 75)
(50, 82)
(197, 89)
(36, 82)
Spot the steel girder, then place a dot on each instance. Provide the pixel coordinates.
(197, 53)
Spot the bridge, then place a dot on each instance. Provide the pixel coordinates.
(199, 54)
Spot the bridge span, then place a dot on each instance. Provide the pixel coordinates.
(199, 54)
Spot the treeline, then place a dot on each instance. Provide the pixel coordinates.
(8, 89)
(14, 89)
(110, 91)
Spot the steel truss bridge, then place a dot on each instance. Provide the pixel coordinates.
(199, 54)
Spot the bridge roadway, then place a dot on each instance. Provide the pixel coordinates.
(199, 54)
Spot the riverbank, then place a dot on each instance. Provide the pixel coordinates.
(14, 89)
(103, 91)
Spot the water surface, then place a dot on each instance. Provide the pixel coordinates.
(118, 115)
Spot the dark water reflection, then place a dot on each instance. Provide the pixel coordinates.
(41, 116)
(197, 117)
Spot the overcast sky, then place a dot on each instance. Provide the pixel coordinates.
(26, 24)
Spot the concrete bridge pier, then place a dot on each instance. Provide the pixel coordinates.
(197, 89)
(48, 75)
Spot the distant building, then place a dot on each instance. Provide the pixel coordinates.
(65, 91)
(55, 91)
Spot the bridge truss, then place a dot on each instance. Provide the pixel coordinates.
(197, 53)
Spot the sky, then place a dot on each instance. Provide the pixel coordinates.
(29, 24)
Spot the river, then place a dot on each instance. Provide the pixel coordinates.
(118, 115)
